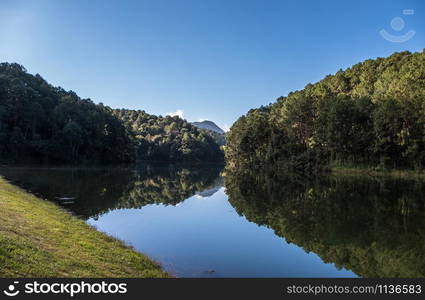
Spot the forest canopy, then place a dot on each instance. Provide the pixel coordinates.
(43, 123)
(372, 113)
(168, 138)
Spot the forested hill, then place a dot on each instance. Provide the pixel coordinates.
(40, 122)
(43, 123)
(372, 113)
(168, 138)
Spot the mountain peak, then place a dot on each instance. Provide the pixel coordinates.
(208, 125)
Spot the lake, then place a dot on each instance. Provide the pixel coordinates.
(198, 223)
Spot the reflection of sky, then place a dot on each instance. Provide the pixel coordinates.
(204, 234)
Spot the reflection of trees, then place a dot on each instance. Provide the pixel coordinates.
(100, 190)
(373, 227)
(167, 186)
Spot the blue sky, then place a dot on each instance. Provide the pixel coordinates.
(210, 59)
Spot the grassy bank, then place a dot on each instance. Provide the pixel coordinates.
(39, 239)
(373, 171)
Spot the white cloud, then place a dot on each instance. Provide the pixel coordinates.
(178, 112)
(202, 120)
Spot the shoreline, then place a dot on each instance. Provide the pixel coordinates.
(373, 172)
(40, 239)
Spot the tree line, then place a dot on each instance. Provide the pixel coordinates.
(43, 123)
(372, 114)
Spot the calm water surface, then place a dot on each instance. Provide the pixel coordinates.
(198, 224)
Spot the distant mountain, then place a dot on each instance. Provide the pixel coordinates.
(213, 130)
(208, 125)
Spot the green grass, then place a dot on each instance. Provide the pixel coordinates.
(375, 172)
(39, 239)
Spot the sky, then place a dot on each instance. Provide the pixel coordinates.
(202, 59)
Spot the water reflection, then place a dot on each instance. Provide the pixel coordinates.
(182, 217)
(373, 226)
(90, 192)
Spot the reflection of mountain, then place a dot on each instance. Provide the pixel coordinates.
(100, 190)
(217, 185)
(372, 227)
(208, 193)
